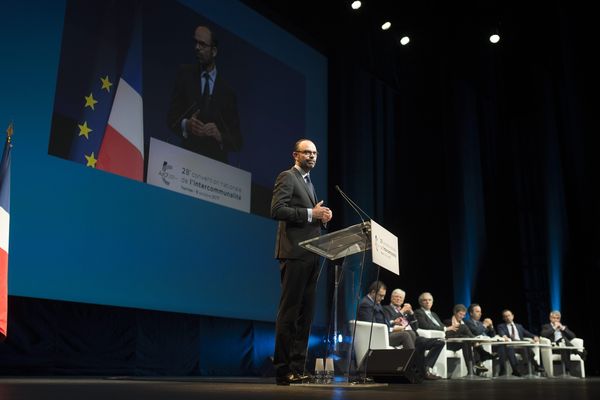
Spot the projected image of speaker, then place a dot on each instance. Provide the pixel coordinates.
(393, 366)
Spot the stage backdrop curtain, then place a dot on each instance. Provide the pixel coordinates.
(61, 338)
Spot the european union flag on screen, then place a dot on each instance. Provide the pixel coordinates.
(97, 118)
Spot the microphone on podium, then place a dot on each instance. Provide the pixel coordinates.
(354, 206)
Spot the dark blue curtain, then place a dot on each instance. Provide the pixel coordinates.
(481, 159)
(50, 337)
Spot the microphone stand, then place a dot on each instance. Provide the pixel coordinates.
(366, 230)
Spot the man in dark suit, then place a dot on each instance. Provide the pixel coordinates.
(402, 320)
(477, 327)
(371, 310)
(301, 216)
(471, 351)
(559, 334)
(510, 330)
(203, 109)
(428, 319)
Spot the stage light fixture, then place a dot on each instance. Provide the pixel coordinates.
(356, 5)
(495, 38)
(386, 25)
(405, 40)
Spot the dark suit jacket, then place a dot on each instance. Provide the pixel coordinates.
(366, 309)
(523, 333)
(548, 332)
(186, 99)
(477, 328)
(391, 314)
(291, 199)
(426, 323)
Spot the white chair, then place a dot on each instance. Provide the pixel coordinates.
(379, 338)
(549, 357)
(441, 365)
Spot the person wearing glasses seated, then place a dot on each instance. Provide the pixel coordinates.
(402, 319)
(402, 327)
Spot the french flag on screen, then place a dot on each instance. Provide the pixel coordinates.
(4, 226)
(122, 148)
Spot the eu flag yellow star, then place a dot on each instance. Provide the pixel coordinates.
(90, 101)
(106, 84)
(84, 130)
(91, 160)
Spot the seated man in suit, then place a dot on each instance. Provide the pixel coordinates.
(477, 327)
(402, 318)
(461, 330)
(559, 334)
(371, 310)
(428, 319)
(510, 330)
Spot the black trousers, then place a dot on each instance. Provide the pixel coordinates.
(434, 346)
(294, 317)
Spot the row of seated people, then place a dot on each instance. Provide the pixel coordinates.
(403, 324)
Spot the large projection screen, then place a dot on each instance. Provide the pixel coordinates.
(86, 235)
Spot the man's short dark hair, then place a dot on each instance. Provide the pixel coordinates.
(459, 307)
(375, 286)
(297, 144)
(214, 42)
(472, 307)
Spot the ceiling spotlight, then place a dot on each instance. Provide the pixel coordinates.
(405, 40)
(356, 5)
(495, 38)
(386, 25)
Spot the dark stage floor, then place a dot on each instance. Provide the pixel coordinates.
(12, 388)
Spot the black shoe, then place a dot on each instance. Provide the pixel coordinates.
(288, 379)
(432, 377)
(540, 369)
(516, 373)
(479, 368)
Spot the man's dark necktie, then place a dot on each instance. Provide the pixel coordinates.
(311, 188)
(513, 336)
(205, 92)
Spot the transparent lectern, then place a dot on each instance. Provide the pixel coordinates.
(340, 287)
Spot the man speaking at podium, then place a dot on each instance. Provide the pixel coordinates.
(301, 216)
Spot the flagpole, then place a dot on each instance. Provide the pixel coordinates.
(9, 132)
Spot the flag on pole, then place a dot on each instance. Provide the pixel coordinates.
(4, 230)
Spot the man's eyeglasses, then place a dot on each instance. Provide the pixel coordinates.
(202, 44)
(308, 153)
